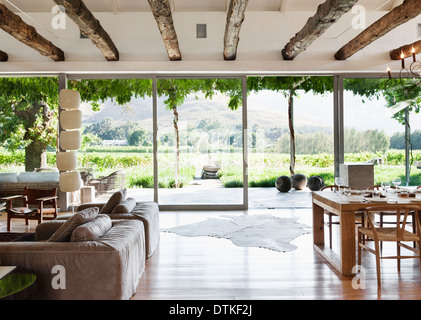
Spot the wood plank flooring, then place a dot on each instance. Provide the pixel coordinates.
(205, 268)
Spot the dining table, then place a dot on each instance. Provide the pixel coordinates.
(345, 206)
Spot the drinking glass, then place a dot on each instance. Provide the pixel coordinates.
(386, 187)
(397, 182)
(338, 182)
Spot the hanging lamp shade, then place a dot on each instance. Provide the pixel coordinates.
(70, 140)
(66, 161)
(71, 119)
(69, 99)
(70, 181)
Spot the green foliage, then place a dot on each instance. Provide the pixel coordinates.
(138, 137)
(29, 110)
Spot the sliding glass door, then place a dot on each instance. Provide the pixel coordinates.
(200, 143)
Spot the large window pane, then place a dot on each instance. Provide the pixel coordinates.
(200, 159)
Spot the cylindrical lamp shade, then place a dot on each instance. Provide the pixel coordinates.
(70, 140)
(71, 119)
(66, 161)
(70, 181)
(69, 99)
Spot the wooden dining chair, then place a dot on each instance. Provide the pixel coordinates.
(330, 215)
(397, 234)
(383, 214)
(37, 205)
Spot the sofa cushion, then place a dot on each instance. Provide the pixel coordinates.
(8, 177)
(64, 233)
(125, 206)
(114, 200)
(92, 230)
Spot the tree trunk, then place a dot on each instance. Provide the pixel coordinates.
(35, 156)
(177, 156)
(291, 130)
(36, 151)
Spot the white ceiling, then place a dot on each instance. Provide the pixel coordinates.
(194, 5)
(267, 28)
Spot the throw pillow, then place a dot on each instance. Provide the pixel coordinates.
(65, 231)
(92, 230)
(125, 206)
(114, 200)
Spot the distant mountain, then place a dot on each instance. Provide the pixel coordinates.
(266, 115)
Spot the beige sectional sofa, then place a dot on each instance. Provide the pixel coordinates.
(101, 260)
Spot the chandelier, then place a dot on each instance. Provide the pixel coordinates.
(407, 83)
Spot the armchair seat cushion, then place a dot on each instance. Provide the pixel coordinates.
(22, 210)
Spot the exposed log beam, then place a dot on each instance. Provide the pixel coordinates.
(410, 9)
(17, 28)
(327, 14)
(406, 50)
(90, 27)
(235, 17)
(161, 10)
(3, 56)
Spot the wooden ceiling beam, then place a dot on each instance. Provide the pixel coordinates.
(406, 50)
(407, 11)
(3, 56)
(235, 17)
(161, 10)
(90, 27)
(327, 14)
(17, 28)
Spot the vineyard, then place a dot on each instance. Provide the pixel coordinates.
(263, 168)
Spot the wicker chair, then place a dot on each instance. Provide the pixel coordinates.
(108, 184)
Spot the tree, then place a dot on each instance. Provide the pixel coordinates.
(137, 137)
(289, 86)
(29, 117)
(176, 91)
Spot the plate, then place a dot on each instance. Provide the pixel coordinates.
(415, 200)
(383, 200)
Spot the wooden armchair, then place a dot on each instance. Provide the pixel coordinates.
(36, 204)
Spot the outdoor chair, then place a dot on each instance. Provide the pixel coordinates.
(397, 234)
(108, 184)
(36, 204)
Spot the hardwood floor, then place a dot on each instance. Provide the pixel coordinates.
(205, 268)
(209, 268)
